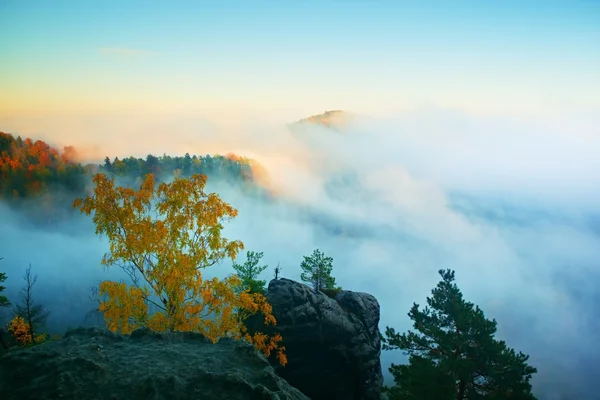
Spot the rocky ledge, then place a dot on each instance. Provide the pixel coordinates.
(91, 363)
(333, 344)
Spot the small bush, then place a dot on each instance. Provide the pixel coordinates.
(21, 332)
(332, 293)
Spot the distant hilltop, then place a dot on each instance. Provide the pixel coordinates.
(333, 119)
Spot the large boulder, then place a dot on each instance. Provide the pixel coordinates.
(333, 344)
(96, 364)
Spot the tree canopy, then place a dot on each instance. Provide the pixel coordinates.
(34, 169)
(164, 237)
(317, 270)
(453, 353)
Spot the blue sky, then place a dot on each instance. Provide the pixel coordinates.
(367, 56)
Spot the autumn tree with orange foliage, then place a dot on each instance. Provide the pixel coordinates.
(23, 332)
(164, 237)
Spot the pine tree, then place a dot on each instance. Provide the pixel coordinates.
(3, 299)
(4, 302)
(454, 354)
(249, 271)
(317, 271)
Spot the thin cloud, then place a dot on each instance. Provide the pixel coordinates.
(123, 52)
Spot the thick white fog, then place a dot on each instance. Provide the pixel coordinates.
(512, 206)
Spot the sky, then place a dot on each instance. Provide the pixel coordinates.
(475, 146)
(294, 58)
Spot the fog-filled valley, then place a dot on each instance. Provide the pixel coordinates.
(511, 205)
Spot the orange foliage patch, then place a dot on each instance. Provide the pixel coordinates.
(37, 162)
(22, 333)
(69, 155)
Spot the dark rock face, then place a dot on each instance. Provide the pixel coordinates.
(2, 342)
(95, 364)
(333, 345)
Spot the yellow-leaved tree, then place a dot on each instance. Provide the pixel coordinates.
(164, 237)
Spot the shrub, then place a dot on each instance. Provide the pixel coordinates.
(332, 293)
(21, 332)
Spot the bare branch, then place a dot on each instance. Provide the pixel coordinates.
(33, 314)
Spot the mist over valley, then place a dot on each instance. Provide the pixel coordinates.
(392, 200)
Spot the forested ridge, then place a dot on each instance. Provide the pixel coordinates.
(29, 167)
(33, 169)
(335, 120)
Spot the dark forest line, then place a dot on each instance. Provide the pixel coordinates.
(34, 170)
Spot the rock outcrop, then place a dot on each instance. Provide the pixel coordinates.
(332, 344)
(92, 363)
